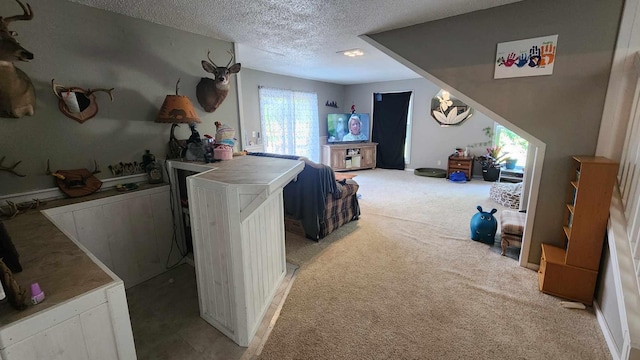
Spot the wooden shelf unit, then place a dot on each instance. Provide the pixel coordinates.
(571, 272)
(355, 156)
(460, 163)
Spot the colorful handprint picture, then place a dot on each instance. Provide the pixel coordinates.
(530, 57)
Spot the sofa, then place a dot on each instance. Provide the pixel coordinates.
(315, 203)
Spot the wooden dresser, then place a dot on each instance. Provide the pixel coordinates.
(460, 163)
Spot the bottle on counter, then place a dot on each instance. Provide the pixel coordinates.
(147, 159)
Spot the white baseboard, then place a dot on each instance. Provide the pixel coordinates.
(606, 332)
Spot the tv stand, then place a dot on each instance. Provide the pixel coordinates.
(352, 156)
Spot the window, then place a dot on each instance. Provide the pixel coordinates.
(290, 122)
(513, 145)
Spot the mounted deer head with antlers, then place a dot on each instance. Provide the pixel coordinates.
(212, 92)
(17, 95)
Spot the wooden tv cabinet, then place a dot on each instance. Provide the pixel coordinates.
(355, 156)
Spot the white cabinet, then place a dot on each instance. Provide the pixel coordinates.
(237, 222)
(93, 326)
(85, 313)
(130, 233)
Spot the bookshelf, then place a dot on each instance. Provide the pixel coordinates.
(571, 271)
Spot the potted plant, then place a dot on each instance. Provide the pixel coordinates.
(490, 163)
(510, 163)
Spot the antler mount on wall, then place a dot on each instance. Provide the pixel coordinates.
(77, 103)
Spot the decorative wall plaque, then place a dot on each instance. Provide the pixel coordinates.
(449, 111)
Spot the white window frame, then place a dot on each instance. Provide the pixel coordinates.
(293, 142)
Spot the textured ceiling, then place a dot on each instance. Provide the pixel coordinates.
(300, 38)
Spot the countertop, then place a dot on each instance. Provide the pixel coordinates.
(246, 170)
(49, 257)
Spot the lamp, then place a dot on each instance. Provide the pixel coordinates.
(176, 109)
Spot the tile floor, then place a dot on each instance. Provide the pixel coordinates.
(167, 325)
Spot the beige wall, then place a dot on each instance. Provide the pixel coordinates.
(90, 48)
(430, 143)
(562, 110)
(250, 80)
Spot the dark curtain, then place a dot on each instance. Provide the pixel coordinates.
(390, 113)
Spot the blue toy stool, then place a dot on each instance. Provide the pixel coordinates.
(484, 226)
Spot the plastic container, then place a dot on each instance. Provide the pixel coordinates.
(223, 153)
(37, 295)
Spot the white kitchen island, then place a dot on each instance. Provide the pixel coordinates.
(237, 223)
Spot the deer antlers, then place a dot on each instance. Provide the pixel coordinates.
(28, 15)
(10, 168)
(214, 64)
(59, 89)
(108, 91)
(77, 103)
(12, 209)
(61, 177)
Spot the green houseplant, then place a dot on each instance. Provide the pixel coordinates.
(490, 163)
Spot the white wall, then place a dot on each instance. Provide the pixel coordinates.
(90, 48)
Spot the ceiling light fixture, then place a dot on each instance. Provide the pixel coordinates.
(352, 52)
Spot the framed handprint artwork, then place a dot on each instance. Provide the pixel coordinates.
(530, 57)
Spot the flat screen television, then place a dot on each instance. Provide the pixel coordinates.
(348, 128)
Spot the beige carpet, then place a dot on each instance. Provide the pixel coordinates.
(406, 282)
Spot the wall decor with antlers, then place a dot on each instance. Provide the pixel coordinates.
(17, 95)
(212, 92)
(77, 103)
(10, 169)
(78, 182)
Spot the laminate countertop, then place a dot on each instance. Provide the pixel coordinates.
(61, 268)
(248, 170)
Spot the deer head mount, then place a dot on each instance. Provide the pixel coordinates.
(17, 95)
(77, 103)
(212, 92)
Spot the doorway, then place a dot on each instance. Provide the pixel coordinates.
(390, 119)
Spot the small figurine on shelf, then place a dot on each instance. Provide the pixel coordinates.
(154, 172)
(195, 148)
(147, 158)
